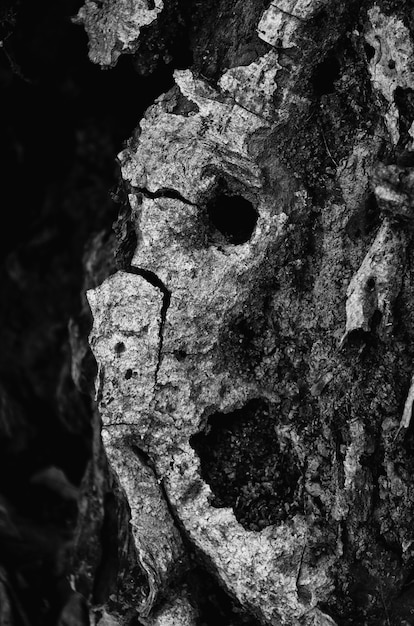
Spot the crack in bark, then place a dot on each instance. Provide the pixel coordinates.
(100, 385)
(156, 282)
(164, 192)
(297, 17)
(237, 103)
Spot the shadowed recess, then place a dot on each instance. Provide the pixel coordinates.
(233, 216)
(248, 467)
(325, 74)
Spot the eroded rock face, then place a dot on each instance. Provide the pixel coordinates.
(234, 304)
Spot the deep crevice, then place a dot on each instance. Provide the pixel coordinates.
(165, 192)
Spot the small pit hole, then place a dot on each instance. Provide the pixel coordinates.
(128, 374)
(391, 64)
(325, 74)
(371, 284)
(120, 348)
(233, 216)
(180, 355)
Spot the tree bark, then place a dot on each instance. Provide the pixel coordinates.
(254, 345)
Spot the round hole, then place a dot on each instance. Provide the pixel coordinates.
(128, 374)
(391, 64)
(120, 348)
(233, 216)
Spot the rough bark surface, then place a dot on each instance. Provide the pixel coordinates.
(255, 350)
(226, 431)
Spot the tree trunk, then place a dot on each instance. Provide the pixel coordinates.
(254, 350)
(252, 439)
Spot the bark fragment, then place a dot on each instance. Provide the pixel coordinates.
(372, 291)
(391, 64)
(114, 27)
(134, 336)
(282, 19)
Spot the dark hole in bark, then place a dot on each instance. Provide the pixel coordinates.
(244, 330)
(369, 51)
(371, 284)
(372, 213)
(391, 64)
(325, 74)
(359, 337)
(233, 216)
(120, 348)
(128, 374)
(248, 467)
(180, 355)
